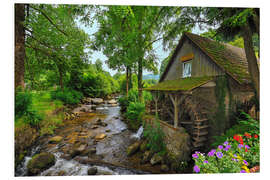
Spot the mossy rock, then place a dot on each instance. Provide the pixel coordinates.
(143, 146)
(133, 148)
(40, 162)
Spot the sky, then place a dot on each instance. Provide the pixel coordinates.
(161, 54)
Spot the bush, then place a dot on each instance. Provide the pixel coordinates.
(23, 102)
(246, 124)
(155, 138)
(134, 114)
(237, 154)
(24, 108)
(68, 96)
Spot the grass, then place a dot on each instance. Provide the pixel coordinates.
(45, 106)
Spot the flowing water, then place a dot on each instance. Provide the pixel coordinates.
(110, 157)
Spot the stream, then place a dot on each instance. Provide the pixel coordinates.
(110, 156)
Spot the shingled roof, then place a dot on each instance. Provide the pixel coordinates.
(183, 84)
(229, 58)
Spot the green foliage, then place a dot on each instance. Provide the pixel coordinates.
(68, 96)
(93, 82)
(23, 102)
(134, 113)
(220, 116)
(246, 124)
(24, 108)
(155, 137)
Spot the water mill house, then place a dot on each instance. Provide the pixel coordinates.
(201, 87)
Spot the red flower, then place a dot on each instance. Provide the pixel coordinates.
(247, 135)
(246, 150)
(256, 136)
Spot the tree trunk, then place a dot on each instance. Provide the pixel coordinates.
(140, 85)
(251, 59)
(19, 45)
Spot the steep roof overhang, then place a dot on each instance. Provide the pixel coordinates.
(180, 85)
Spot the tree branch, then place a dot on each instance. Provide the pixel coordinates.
(49, 19)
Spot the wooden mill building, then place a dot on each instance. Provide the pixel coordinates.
(201, 87)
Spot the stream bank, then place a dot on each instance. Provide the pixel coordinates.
(93, 142)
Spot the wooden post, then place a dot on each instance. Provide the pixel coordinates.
(155, 96)
(176, 101)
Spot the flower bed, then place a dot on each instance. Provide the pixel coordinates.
(239, 154)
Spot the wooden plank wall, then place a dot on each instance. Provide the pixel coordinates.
(202, 65)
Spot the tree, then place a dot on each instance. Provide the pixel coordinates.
(54, 40)
(243, 22)
(19, 45)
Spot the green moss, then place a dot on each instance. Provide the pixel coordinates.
(184, 84)
(224, 57)
(40, 162)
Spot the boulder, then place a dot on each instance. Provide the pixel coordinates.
(62, 173)
(164, 168)
(100, 136)
(97, 101)
(143, 146)
(92, 171)
(133, 148)
(103, 124)
(156, 159)
(146, 157)
(40, 162)
(78, 150)
(55, 139)
(113, 101)
(92, 151)
(94, 127)
(114, 105)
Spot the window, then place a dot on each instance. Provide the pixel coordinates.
(186, 69)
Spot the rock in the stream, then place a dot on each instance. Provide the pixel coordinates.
(113, 101)
(164, 168)
(108, 130)
(97, 101)
(92, 151)
(40, 162)
(146, 157)
(62, 173)
(100, 136)
(143, 146)
(78, 150)
(114, 105)
(94, 127)
(55, 139)
(92, 171)
(156, 159)
(133, 148)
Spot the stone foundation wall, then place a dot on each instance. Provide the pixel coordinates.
(177, 140)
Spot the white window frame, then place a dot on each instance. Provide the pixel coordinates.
(186, 72)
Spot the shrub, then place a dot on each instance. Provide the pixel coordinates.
(23, 102)
(68, 96)
(24, 108)
(246, 124)
(235, 155)
(155, 138)
(134, 114)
